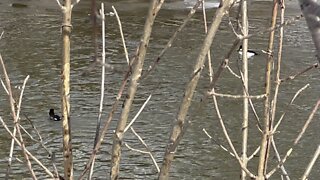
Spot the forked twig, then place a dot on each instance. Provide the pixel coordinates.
(147, 148)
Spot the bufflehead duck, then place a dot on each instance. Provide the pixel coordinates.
(250, 53)
(53, 116)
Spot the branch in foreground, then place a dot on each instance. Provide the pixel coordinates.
(305, 126)
(312, 162)
(19, 144)
(313, 66)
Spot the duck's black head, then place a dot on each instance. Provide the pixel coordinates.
(51, 112)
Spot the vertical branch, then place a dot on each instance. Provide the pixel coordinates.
(179, 122)
(94, 28)
(265, 140)
(103, 54)
(136, 74)
(66, 9)
(245, 121)
(206, 31)
(277, 86)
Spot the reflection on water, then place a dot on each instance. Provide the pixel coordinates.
(31, 46)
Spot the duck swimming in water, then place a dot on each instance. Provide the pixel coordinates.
(250, 53)
(53, 116)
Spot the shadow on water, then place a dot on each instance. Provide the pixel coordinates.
(31, 46)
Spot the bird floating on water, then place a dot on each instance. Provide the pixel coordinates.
(250, 53)
(53, 116)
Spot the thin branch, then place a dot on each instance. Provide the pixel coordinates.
(1, 35)
(226, 134)
(102, 89)
(290, 103)
(60, 5)
(305, 126)
(138, 113)
(171, 40)
(121, 33)
(237, 96)
(232, 72)
(254, 153)
(313, 66)
(216, 142)
(19, 144)
(311, 164)
(75, 3)
(147, 148)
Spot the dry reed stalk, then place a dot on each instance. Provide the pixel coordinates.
(66, 10)
(16, 116)
(179, 122)
(155, 6)
(102, 89)
(265, 140)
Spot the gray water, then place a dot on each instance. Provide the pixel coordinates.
(31, 46)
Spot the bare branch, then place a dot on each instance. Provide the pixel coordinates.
(305, 126)
(138, 113)
(60, 5)
(147, 147)
(121, 33)
(237, 96)
(216, 142)
(311, 164)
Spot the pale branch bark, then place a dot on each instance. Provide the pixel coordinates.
(237, 96)
(122, 36)
(102, 88)
(312, 162)
(179, 121)
(155, 6)
(66, 9)
(137, 115)
(265, 139)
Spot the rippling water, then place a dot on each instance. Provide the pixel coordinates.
(31, 46)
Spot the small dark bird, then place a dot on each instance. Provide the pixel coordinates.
(53, 116)
(250, 53)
